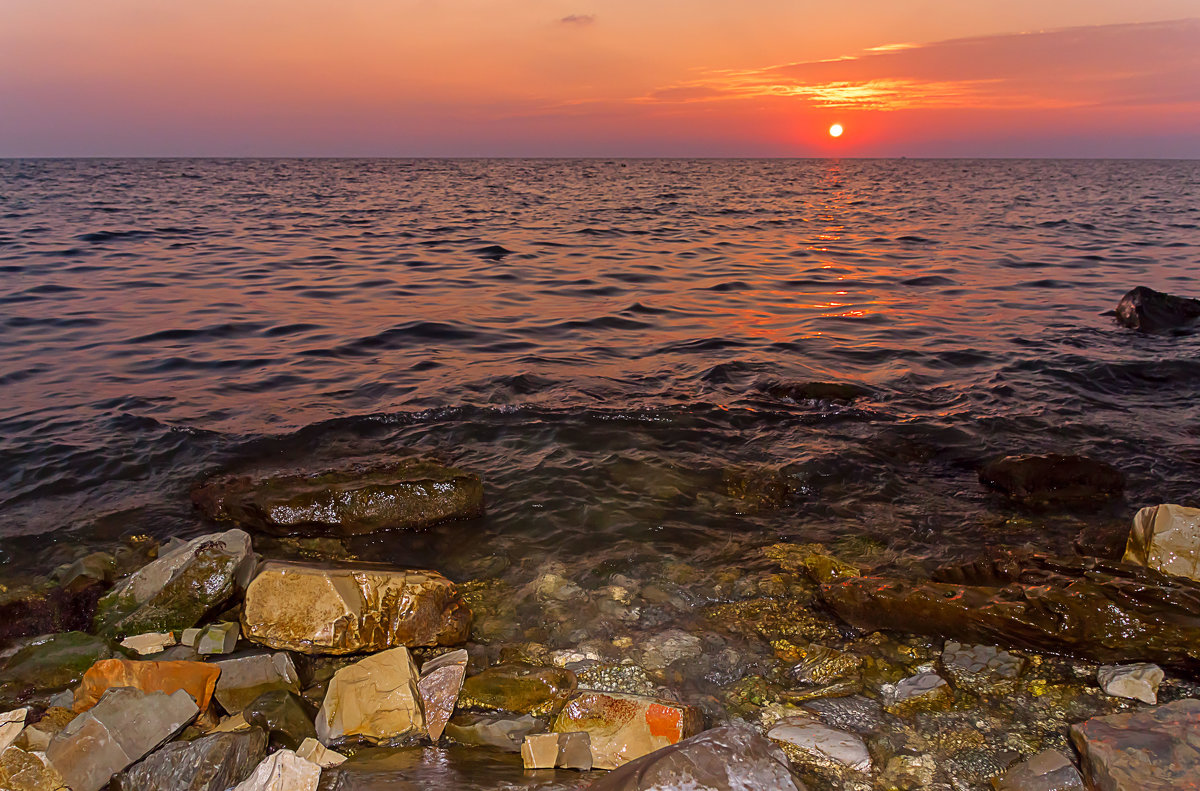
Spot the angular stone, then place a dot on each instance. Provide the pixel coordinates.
(982, 669)
(146, 644)
(1147, 310)
(529, 689)
(1049, 770)
(197, 679)
(124, 726)
(819, 744)
(504, 731)
(219, 638)
(22, 770)
(11, 725)
(189, 637)
(441, 680)
(922, 691)
(232, 724)
(625, 727)
(313, 750)
(1166, 538)
(49, 665)
(575, 751)
(408, 494)
(180, 588)
(283, 771)
(375, 699)
(348, 609)
(1153, 750)
(820, 665)
(732, 757)
(1053, 480)
(540, 751)
(1137, 681)
(210, 763)
(283, 717)
(243, 679)
(36, 737)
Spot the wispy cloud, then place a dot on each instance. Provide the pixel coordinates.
(578, 19)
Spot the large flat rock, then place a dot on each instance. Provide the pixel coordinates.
(1156, 749)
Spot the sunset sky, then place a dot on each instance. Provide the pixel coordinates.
(599, 78)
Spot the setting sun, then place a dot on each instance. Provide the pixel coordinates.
(835, 130)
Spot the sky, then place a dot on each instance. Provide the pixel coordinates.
(607, 78)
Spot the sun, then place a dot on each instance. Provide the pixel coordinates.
(836, 130)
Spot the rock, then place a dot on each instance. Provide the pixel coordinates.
(189, 637)
(11, 725)
(758, 489)
(46, 608)
(124, 726)
(982, 669)
(441, 680)
(283, 771)
(666, 648)
(180, 588)
(625, 727)
(49, 665)
(22, 770)
(1166, 538)
(729, 758)
(407, 495)
(1053, 481)
(1094, 609)
(529, 689)
(219, 638)
(555, 587)
(349, 609)
(197, 679)
(232, 724)
(36, 737)
(809, 742)
(820, 665)
(817, 391)
(244, 679)
(283, 716)
(922, 691)
(1137, 681)
(210, 763)
(1142, 751)
(375, 699)
(1049, 770)
(146, 644)
(575, 751)
(540, 751)
(1148, 310)
(505, 731)
(313, 750)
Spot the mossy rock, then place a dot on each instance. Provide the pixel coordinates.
(48, 666)
(528, 689)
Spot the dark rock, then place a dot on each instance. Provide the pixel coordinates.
(409, 494)
(47, 666)
(1047, 771)
(817, 391)
(210, 763)
(730, 758)
(503, 730)
(760, 489)
(1053, 480)
(1143, 750)
(283, 716)
(1148, 310)
(43, 609)
(1098, 610)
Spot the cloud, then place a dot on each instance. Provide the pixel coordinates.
(578, 19)
(1104, 65)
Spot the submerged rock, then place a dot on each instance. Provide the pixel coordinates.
(49, 665)
(625, 727)
(1053, 480)
(1049, 770)
(46, 608)
(408, 494)
(503, 730)
(210, 763)
(1166, 538)
(817, 391)
(1148, 310)
(375, 699)
(982, 669)
(1142, 751)
(811, 743)
(197, 679)
(441, 680)
(732, 757)
(529, 689)
(283, 771)
(758, 489)
(179, 589)
(925, 691)
(348, 609)
(243, 679)
(1137, 681)
(319, 754)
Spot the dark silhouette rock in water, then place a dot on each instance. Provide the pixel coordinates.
(1148, 310)
(817, 391)
(1094, 609)
(1052, 481)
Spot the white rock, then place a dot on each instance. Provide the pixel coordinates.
(1166, 538)
(312, 750)
(146, 644)
(822, 741)
(11, 724)
(283, 771)
(1137, 681)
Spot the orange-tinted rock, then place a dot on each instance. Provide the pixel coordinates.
(195, 678)
(625, 727)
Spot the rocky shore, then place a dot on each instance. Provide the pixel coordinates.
(266, 656)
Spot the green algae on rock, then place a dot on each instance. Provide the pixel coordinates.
(409, 494)
(523, 688)
(49, 665)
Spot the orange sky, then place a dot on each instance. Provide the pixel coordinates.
(599, 78)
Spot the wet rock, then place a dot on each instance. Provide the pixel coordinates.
(46, 608)
(666, 648)
(820, 665)
(732, 757)
(855, 713)
(1147, 310)
(817, 391)
(11, 725)
(147, 644)
(540, 751)
(1166, 538)
(625, 727)
(210, 763)
(48, 666)
(441, 680)
(180, 588)
(22, 770)
(1094, 609)
(607, 677)
(197, 679)
(37, 736)
(528, 689)
(409, 494)
(319, 754)
(124, 726)
(1137, 681)
(922, 691)
(1139, 751)
(375, 699)
(555, 587)
(758, 489)
(1049, 770)
(219, 638)
(283, 771)
(1053, 481)
(982, 669)
(348, 609)
(503, 730)
(575, 751)
(772, 618)
(909, 773)
(812, 744)
(243, 679)
(283, 717)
